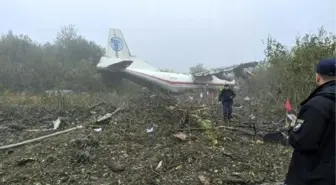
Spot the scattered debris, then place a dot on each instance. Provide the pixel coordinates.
(108, 116)
(159, 165)
(115, 167)
(57, 123)
(76, 154)
(150, 130)
(204, 180)
(181, 136)
(98, 129)
(105, 117)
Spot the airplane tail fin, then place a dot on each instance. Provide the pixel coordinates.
(118, 55)
(116, 45)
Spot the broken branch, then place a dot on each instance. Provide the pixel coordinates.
(47, 136)
(39, 138)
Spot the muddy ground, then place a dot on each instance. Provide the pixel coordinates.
(206, 151)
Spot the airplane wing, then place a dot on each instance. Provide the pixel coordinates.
(222, 74)
(245, 70)
(229, 73)
(202, 77)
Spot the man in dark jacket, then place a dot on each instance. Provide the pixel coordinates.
(226, 98)
(313, 137)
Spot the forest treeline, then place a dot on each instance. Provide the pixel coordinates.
(67, 63)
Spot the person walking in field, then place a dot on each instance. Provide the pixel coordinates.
(226, 97)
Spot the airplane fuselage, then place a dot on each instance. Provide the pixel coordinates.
(172, 82)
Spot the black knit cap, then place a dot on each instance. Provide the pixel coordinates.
(326, 67)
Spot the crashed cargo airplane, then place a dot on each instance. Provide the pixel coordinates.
(118, 60)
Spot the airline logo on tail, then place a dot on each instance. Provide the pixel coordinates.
(116, 44)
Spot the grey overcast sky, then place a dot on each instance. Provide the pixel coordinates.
(175, 34)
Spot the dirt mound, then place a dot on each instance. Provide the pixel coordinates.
(152, 140)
